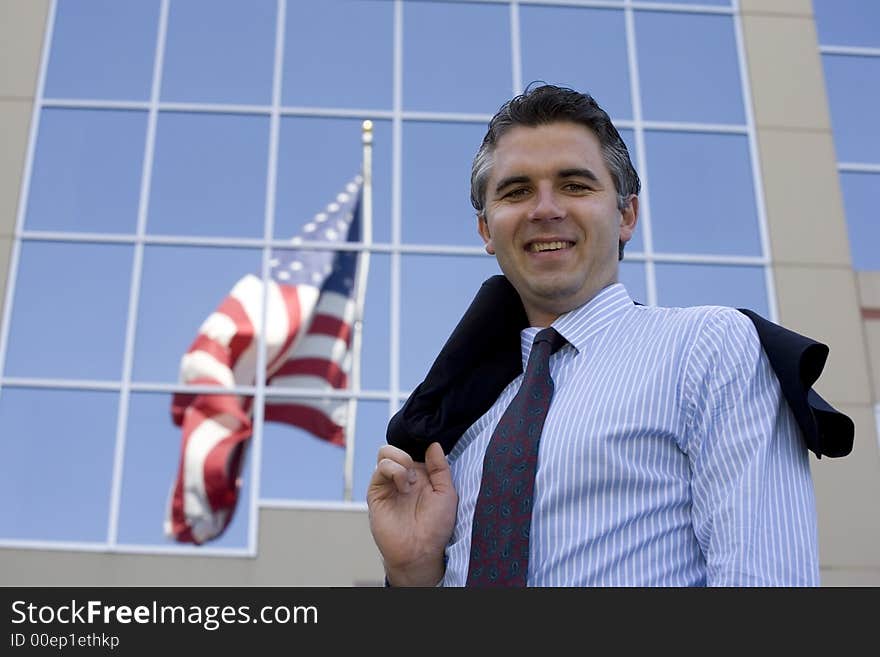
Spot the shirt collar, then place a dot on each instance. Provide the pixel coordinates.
(579, 325)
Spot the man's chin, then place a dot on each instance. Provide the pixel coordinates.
(554, 296)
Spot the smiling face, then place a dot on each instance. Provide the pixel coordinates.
(551, 217)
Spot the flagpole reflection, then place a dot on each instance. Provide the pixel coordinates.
(361, 292)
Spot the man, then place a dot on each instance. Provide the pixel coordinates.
(668, 456)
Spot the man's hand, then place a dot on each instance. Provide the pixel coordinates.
(412, 514)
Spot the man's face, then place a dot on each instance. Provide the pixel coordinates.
(551, 217)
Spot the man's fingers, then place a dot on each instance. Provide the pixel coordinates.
(438, 467)
(402, 477)
(395, 454)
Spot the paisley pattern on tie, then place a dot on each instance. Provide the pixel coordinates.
(503, 514)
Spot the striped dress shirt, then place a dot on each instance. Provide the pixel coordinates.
(668, 458)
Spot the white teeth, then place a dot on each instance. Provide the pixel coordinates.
(537, 247)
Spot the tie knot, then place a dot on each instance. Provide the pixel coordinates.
(552, 336)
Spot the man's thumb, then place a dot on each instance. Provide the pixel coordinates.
(438, 467)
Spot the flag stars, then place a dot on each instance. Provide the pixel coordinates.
(274, 262)
(316, 278)
(320, 217)
(296, 265)
(309, 228)
(333, 207)
(342, 197)
(331, 234)
(283, 275)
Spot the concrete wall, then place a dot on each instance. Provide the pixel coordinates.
(22, 23)
(816, 288)
(297, 548)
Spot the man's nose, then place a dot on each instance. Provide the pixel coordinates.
(547, 205)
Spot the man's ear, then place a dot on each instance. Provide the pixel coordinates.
(629, 217)
(483, 229)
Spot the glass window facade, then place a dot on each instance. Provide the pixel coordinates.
(849, 38)
(103, 49)
(677, 74)
(181, 143)
(578, 47)
(87, 171)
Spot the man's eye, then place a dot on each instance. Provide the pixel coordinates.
(517, 193)
(575, 187)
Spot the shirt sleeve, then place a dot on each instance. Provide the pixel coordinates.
(753, 506)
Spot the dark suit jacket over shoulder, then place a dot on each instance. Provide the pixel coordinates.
(482, 356)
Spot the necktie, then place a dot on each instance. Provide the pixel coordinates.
(503, 513)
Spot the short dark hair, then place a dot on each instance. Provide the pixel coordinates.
(547, 103)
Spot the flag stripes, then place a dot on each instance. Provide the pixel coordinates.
(310, 310)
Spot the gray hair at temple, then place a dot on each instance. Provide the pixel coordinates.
(546, 104)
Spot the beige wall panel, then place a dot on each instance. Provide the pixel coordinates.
(15, 121)
(850, 577)
(872, 338)
(786, 7)
(317, 548)
(869, 288)
(297, 548)
(822, 303)
(803, 199)
(69, 568)
(785, 71)
(22, 24)
(847, 495)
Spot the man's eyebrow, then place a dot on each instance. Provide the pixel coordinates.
(575, 172)
(578, 173)
(510, 180)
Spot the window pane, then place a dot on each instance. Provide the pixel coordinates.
(339, 53)
(860, 198)
(152, 459)
(435, 292)
(436, 189)
(371, 432)
(848, 22)
(209, 175)
(702, 198)
(316, 158)
(377, 333)
(854, 96)
(299, 466)
(220, 51)
(57, 466)
(580, 48)
(180, 287)
(68, 317)
(87, 171)
(103, 49)
(680, 285)
(474, 75)
(632, 275)
(681, 58)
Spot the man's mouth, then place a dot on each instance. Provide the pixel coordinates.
(540, 247)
